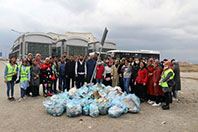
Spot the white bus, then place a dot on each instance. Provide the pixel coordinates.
(144, 54)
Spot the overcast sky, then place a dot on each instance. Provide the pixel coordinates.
(170, 26)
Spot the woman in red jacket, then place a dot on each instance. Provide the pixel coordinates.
(141, 81)
(157, 91)
(149, 86)
(100, 72)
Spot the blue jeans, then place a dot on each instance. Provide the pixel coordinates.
(175, 94)
(10, 86)
(23, 91)
(62, 82)
(126, 82)
(99, 81)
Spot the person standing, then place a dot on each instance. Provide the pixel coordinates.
(65, 57)
(158, 93)
(56, 74)
(10, 76)
(80, 72)
(107, 75)
(120, 72)
(127, 70)
(167, 76)
(47, 77)
(70, 72)
(141, 81)
(114, 74)
(29, 64)
(62, 74)
(135, 69)
(149, 86)
(100, 71)
(35, 79)
(38, 59)
(91, 63)
(24, 74)
(177, 79)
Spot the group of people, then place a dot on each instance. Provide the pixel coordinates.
(150, 80)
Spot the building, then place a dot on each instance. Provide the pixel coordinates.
(48, 44)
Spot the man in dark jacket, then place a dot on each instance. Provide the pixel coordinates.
(62, 74)
(70, 72)
(90, 68)
(177, 79)
(135, 69)
(80, 72)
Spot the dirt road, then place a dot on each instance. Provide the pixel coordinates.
(30, 115)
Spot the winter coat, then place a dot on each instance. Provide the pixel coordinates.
(90, 66)
(100, 72)
(142, 76)
(177, 79)
(149, 85)
(156, 78)
(34, 71)
(127, 71)
(115, 75)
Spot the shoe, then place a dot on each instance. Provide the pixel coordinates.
(12, 99)
(20, 99)
(49, 94)
(175, 99)
(9, 98)
(165, 107)
(150, 102)
(45, 95)
(156, 105)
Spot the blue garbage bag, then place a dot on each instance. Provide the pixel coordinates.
(53, 108)
(104, 107)
(86, 110)
(132, 102)
(73, 109)
(115, 111)
(94, 112)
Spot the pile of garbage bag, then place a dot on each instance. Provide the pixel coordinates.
(93, 100)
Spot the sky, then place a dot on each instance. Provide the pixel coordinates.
(169, 26)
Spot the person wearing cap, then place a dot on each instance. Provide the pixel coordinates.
(24, 75)
(10, 71)
(167, 76)
(47, 77)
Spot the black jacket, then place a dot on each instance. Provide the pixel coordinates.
(70, 68)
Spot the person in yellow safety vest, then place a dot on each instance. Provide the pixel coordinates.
(24, 75)
(10, 72)
(166, 76)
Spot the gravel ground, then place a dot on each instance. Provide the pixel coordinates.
(30, 115)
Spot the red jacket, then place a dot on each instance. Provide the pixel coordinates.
(142, 76)
(99, 72)
(156, 77)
